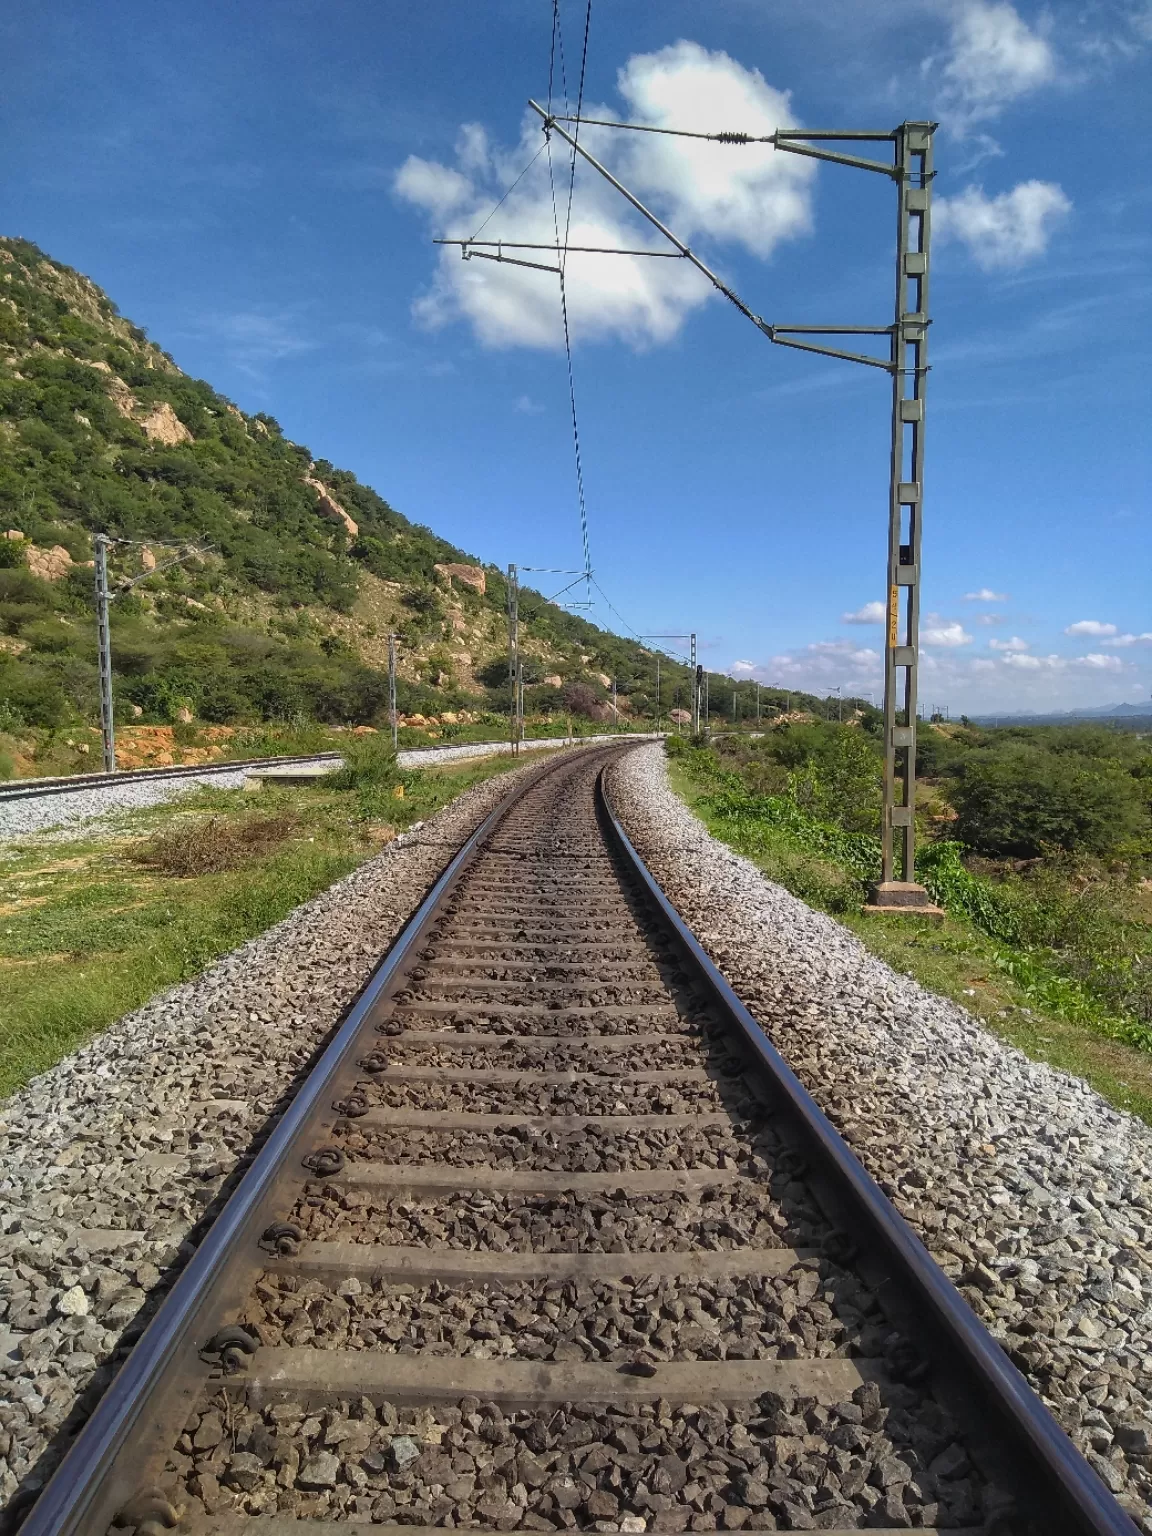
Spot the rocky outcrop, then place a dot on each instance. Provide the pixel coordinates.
(467, 575)
(161, 424)
(554, 680)
(48, 564)
(164, 426)
(331, 508)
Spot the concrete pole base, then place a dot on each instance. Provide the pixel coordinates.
(903, 897)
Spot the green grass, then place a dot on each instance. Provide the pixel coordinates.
(91, 929)
(953, 958)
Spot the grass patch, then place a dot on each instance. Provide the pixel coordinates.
(955, 958)
(93, 928)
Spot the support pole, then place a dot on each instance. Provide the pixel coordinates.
(897, 887)
(514, 656)
(658, 706)
(392, 715)
(695, 690)
(104, 640)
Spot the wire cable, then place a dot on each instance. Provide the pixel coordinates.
(510, 190)
(558, 42)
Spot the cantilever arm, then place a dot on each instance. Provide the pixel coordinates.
(773, 333)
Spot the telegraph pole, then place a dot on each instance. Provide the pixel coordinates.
(757, 704)
(104, 639)
(392, 716)
(910, 169)
(615, 712)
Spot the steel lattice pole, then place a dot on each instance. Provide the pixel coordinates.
(104, 640)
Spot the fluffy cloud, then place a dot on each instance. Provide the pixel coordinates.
(1090, 627)
(985, 595)
(1003, 231)
(526, 406)
(1014, 644)
(946, 632)
(870, 613)
(755, 197)
(1125, 640)
(1098, 662)
(994, 57)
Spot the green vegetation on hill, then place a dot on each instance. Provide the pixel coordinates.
(285, 616)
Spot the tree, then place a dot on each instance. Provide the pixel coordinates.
(1023, 802)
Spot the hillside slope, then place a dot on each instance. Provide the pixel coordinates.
(287, 614)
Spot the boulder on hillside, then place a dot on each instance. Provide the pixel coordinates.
(554, 680)
(468, 575)
(680, 717)
(48, 564)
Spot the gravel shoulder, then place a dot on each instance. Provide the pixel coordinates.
(1033, 1193)
(111, 1160)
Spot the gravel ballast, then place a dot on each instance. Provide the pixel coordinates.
(1033, 1194)
(110, 1160)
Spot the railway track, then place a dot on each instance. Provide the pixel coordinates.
(551, 1239)
(32, 789)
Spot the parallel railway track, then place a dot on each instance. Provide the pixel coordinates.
(551, 1239)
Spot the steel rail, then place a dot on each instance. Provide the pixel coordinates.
(89, 1487)
(1083, 1505)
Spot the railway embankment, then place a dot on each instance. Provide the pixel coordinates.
(1033, 1194)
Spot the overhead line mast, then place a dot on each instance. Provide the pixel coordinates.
(907, 363)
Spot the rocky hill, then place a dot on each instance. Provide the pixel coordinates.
(286, 614)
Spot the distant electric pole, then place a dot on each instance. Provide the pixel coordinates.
(514, 656)
(839, 692)
(615, 712)
(392, 716)
(104, 641)
(104, 597)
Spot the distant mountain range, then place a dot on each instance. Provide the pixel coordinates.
(1101, 712)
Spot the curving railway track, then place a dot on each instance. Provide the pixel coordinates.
(552, 1239)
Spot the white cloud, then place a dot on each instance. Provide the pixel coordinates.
(1090, 627)
(994, 58)
(1125, 640)
(432, 185)
(743, 666)
(1003, 231)
(756, 197)
(946, 632)
(870, 613)
(989, 618)
(1099, 663)
(985, 595)
(527, 406)
(1028, 663)
(1014, 644)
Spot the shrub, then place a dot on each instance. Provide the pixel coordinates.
(215, 845)
(1023, 802)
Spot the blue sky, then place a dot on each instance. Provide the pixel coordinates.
(257, 185)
